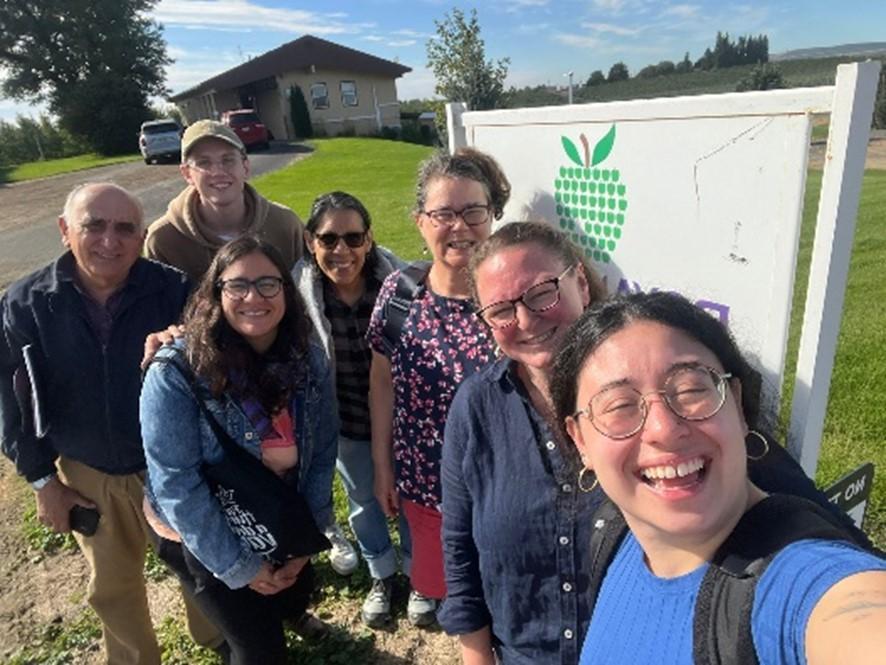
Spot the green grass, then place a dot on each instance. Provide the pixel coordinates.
(33, 170)
(62, 644)
(855, 424)
(380, 173)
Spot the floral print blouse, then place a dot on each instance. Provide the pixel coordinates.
(441, 344)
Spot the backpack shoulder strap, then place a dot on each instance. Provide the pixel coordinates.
(609, 530)
(722, 621)
(409, 282)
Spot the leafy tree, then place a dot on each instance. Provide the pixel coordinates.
(685, 65)
(880, 102)
(596, 78)
(618, 72)
(29, 140)
(96, 63)
(458, 59)
(665, 67)
(764, 76)
(298, 111)
(648, 72)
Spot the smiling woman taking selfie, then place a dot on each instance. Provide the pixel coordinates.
(246, 388)
(657, 398)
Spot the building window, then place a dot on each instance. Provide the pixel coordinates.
(348, 93)
(319, 96)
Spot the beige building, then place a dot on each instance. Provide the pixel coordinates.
(346, 91)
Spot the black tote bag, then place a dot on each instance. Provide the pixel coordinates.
(265, 511)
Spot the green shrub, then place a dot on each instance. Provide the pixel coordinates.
(298, 111)
(765, 76)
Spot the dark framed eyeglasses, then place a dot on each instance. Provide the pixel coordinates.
(537, 298)
(353, 239)
(473, 215)
(238, 288)
(691, 392)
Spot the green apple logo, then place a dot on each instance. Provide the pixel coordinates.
(591, 200)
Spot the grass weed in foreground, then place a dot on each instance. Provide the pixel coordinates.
(855, 423)
(34, 170)
(380, 173)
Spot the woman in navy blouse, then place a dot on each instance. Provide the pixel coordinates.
(510, 534)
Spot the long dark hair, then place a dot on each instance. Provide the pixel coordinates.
(220, 355)
(332, 201)
(669, 309)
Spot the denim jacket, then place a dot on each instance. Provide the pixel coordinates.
(178, 440)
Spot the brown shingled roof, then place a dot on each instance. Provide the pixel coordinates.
(298, 54)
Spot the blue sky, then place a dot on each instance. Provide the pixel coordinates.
(543, 38)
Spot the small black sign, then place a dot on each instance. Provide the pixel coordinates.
(851, 492)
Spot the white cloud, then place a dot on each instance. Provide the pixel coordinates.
(614, 29)
(581, 41)
(195, 66)
(412, 33)
(373, 38)
(682, 11)
(401, 42)
(417, 84)
(610, 5)
(243, 15)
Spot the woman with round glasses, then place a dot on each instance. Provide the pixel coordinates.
(654, 394)
(512, 543)
(339, 280)
(441, 342)
(247, 344)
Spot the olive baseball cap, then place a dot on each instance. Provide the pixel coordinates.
(203, 129)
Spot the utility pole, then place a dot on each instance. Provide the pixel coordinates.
(569, 74)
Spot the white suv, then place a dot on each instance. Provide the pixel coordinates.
(160, 139)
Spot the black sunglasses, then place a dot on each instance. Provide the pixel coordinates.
(353, 239)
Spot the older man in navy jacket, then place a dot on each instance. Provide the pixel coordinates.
(72, 338)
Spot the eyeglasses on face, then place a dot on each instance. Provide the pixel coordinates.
(537, 298)
(353, 239)
(691, 392)
(98, 227)
(228, 164)
(238, 288)
(473, 215)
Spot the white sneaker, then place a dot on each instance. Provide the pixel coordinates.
(342, 556)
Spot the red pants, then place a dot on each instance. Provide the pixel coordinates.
(427, 548)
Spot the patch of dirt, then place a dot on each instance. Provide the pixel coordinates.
(876, 156)
(37, 590)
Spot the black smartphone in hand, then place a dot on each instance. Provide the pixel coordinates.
(84, 520)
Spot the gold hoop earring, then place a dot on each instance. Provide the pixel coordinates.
(762, 438)
(581, 486)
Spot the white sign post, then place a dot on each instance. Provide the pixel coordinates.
(702, 195)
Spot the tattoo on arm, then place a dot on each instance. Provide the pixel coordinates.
(858, 605)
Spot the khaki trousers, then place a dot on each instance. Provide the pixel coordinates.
(116, 557)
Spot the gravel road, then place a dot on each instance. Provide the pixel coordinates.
(29, 234)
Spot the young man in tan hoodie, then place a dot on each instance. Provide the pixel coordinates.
(218, 205)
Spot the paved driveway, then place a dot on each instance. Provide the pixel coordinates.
(29, 234)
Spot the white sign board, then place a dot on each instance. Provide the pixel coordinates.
(701, 195)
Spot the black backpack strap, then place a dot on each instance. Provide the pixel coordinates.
(409, 282)
(722, 622)
(609, 530)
